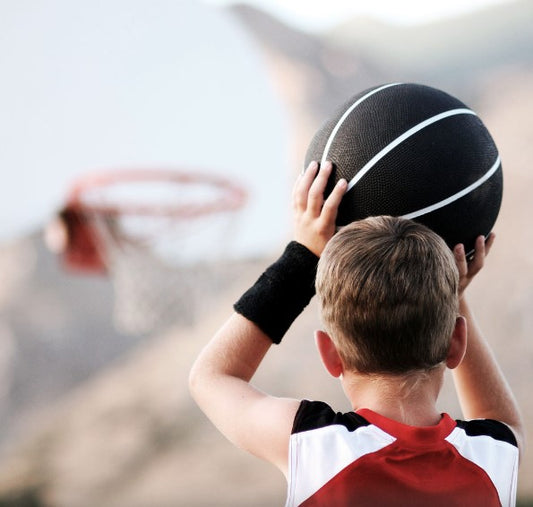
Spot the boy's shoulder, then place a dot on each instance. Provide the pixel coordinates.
(313, 415)
(496, 430)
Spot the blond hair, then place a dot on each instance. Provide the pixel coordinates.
(387, 290)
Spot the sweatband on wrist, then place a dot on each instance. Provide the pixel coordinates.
(281, 292)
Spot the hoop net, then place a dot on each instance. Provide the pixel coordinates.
(161, 236)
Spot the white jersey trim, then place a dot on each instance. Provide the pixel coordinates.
(310, 467)
(480, 450)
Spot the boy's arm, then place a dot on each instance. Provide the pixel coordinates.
(219, 383)
(481, 386)
(220, 378)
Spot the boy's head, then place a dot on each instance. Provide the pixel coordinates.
(388, 293)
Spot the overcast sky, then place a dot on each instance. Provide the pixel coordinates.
(320, 14)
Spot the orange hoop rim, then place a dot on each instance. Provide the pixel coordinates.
(231, 196)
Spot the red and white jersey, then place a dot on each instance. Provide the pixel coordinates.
(364, 459)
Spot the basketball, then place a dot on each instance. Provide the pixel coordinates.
(414, 151)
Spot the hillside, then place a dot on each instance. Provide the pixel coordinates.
(450, 51)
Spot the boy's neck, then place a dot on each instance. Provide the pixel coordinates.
(409, 399)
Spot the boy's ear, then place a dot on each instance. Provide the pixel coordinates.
(457, 349)
(329, 354)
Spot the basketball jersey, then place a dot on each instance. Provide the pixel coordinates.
(364, 459)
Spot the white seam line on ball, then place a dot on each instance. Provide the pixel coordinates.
(400, 139)
(458, 195)
(346, 114)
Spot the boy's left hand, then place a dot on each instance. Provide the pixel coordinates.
(314, 216)
(468, 270)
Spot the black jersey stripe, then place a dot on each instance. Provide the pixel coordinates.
(312, 415)
(490, 428)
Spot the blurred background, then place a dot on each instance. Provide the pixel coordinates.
(94, 411)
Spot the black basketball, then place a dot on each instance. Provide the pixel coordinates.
(414, 151)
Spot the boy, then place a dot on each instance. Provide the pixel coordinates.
(391, 296)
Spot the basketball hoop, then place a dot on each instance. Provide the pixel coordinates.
(160, 235)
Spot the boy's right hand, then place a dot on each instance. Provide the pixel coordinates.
(314, 216)
(469, 269)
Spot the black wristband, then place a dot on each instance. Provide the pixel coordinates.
(281, 292)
